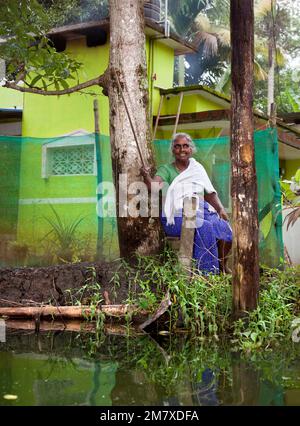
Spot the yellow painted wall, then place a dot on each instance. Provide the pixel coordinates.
(10, 98)
(190, 103)
(195, 134)
(48, 116)
(160, 59)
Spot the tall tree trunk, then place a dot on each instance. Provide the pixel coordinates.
(244, 185)
(271, 71)
(128, 61)
(272, 56)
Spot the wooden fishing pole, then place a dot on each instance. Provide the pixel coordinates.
(128, 115)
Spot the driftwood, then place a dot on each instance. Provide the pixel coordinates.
(72, 312)
(163, 307)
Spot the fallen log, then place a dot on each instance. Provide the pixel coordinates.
(72, 312)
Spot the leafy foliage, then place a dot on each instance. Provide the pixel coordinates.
(29, 55)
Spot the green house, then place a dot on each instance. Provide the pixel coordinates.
(49, 205)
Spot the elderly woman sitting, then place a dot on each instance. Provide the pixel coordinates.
(213, 235)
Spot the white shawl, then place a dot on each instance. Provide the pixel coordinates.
(193, 181)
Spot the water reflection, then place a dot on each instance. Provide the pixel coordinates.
(75, 369)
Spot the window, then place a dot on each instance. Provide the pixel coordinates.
(69, 156)
(72, 160)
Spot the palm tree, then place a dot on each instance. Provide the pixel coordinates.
(209, 29)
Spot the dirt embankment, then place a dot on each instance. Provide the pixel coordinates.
(51, 284)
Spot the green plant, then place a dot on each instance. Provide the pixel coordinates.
(63, 234)
(272, 320)
(90, 294)
(202, 304)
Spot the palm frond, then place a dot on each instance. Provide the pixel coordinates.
(262, 8)
(224, 83)
(223, 36)
(292, 217)
(259, 73)
(280, 57)
(210, 47)
(261, 47)
(201, 22)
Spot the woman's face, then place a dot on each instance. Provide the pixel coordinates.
(182, 149)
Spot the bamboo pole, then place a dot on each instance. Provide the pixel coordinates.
(178, 113)
(158, 116)
(99, 178)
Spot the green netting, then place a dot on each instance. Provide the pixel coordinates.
(48, 200)
(50, 209)
(214, 154)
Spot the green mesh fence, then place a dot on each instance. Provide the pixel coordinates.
(50, 211)
(48, 200)
(214, 155)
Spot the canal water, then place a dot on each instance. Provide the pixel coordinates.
(68, 369)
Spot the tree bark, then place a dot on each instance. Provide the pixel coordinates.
(128, 61)
(244, 185)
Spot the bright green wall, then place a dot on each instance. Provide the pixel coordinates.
(47, 116)
(10, 150)
(35, 189)
(10, 98)
(34, 228)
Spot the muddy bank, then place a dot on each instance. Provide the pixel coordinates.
(52, 284)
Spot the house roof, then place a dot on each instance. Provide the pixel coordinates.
(287, 134)
(152, 29)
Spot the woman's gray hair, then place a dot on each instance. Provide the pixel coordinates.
(187, 137)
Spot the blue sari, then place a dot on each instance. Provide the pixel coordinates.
(211, 229)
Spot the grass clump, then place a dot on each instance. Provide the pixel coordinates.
(279, 305)
(202, 304)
